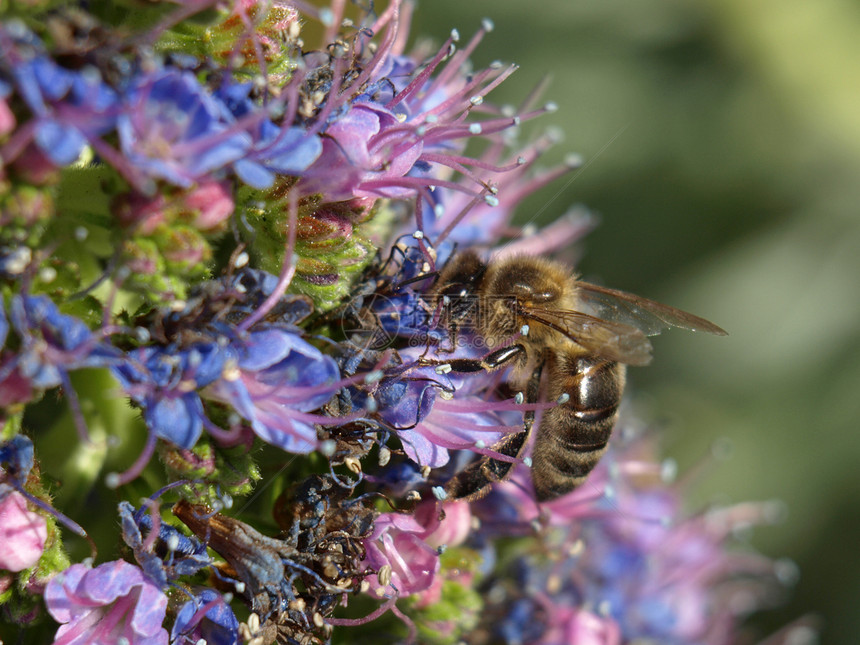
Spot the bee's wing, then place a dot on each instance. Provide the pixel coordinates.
(649, 316)
(614, 341)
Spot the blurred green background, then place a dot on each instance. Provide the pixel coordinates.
(723, 147)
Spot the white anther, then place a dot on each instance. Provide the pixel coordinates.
(373, 377)
(573, 160)
(328, 447)
(47, 275)
(668, 471)
(383, 576)
(384, 455)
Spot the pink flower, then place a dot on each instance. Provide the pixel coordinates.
(450, 530)
(101, 606)
(140, 212)
(22, 534)
(7, 119)
(211, 202)
(581, 627)
(397, 543)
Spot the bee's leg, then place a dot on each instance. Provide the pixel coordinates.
(491, 361)
(474, 481)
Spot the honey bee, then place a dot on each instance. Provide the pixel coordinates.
(542, 318)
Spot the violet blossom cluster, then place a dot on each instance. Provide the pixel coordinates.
(225, 413)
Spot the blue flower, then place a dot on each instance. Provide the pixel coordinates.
(217, 625)
(16, 458)
(53, 344)
(4, 327)
(70, 108)
(166, 556)
(165, 380)
(278, 378)
(175, 129)
(276, 150)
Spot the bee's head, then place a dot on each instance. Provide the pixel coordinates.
(459, 284)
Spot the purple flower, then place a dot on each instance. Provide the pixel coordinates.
(403, 131)
(349, 161)
(429, 425)
(467, 423)
(103, 605)
(176, 130)
(276, 377)
(650, 572)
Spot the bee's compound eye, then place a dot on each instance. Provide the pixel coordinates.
(456, 291)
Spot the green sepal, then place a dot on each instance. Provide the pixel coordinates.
(222, 470)
(455, 614)
(214, 36)
(332, 248)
